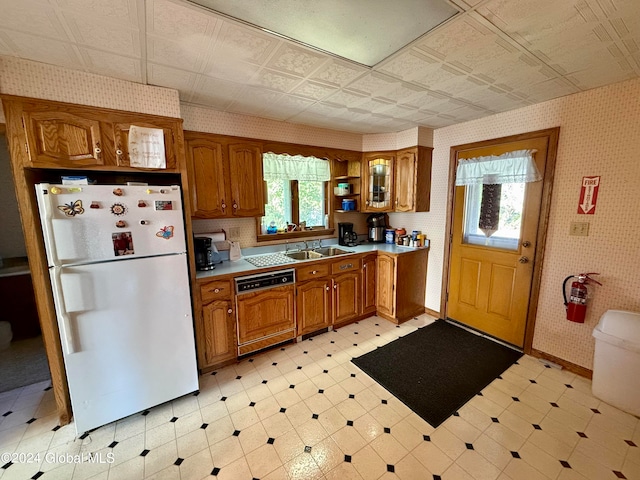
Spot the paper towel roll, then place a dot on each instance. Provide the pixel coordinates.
(214, 236)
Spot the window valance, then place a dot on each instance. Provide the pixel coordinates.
(295, 167)
(512, 167)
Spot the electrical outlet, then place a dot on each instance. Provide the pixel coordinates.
(233, 233)
(580, 229)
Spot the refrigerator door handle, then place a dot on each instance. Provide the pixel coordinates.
(47, 220)
(63, 317)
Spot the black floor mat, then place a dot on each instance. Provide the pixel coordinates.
(437, 369)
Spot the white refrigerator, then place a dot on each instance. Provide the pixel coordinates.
(118, 267)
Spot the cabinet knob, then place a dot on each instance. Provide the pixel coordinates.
(118, 152)
(224, 205)
(97, 150)
(327, 288)
(523, 260)
(335, 286)
(230, 311)
(235, 205)
(217, 290)
(314, 272)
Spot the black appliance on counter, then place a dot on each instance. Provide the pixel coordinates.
(205, 251)
(377, 223)
(346, 236)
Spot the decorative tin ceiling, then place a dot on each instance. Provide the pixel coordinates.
(494, 55)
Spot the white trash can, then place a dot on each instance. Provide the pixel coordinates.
(616, 365)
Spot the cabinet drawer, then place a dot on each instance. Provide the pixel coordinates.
(216, 290)
(346, 265)
(312, 271)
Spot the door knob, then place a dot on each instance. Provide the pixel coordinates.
(526, 244)
(523, 260)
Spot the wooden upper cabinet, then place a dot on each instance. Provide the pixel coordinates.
(63, 135)
(413, 180)
(205, 162)
(246, 180)
(377, 172)
(121, 143)
(63, 139)
(226, 176)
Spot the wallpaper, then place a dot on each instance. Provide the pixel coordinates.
(599, 135)
(38, 80)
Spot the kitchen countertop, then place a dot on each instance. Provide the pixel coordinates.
(242, 266)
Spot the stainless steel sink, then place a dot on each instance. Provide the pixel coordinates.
(304, 255)
(331, 251)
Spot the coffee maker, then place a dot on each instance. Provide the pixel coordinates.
(377, 222)
(346, 236)
(205, 253)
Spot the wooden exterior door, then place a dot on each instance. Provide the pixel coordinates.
(219, 332)
(490, 278)
(205, 161)
(313, 303)
(61, 139)
(386, 279)
(247, 189)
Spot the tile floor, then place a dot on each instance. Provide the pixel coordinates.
(306, 412)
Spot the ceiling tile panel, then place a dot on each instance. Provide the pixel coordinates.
(349, 99)
(111, 65)
(215, 92)
(455, 38)
(177, 21)
(296, 60)
(287, 107)
(45, 50)
(276, 80)
(112, 11)
(181, 80)
(409, 65)
(227, 69)
(30, 17)
(252, 101)
(373, 83)
(338, 73)
(180, 55)
(88, 32)
(549, 89)
(402, 93)
(314, 90)
(245, 44)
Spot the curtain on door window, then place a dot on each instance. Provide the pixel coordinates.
(484, 178)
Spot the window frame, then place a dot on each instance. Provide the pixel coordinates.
(315, 231)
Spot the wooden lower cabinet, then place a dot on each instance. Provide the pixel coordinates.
(219, 329)
(313, 304)
(368, 284)
(346, 297)
(401, 282)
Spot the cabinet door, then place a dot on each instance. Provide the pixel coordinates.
(346, 297)
(121, 143)
(265, 313)
(405, 181)
(219, 332)
(378, 178)
(205, 162)
(247, 186)
(61, 139)
(313, 303)
(369, 284)
(386, 277)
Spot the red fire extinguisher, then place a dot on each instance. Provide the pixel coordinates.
(577, 304)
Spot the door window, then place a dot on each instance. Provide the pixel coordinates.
(506, 202)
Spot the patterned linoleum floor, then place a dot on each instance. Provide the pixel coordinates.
(306, 412)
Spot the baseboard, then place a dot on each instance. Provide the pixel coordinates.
(572, 367)
(433, 313)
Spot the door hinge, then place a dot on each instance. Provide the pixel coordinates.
(451, 237)
(26, 147)
(23, 125)
(446, 296)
